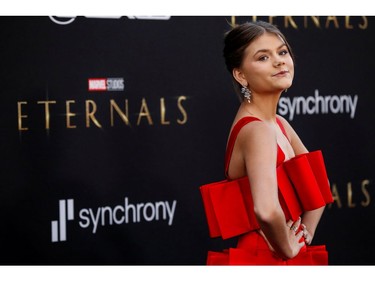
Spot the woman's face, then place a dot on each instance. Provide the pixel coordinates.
(267, 65)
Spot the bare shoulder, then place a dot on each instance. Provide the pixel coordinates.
(284, 122)
(293, 137)
(288, 128)
(257, 133)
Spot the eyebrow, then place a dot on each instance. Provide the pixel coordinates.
(267, 50)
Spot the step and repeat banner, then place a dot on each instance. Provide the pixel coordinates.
(109, 125)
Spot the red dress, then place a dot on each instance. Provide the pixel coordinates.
(303, 185)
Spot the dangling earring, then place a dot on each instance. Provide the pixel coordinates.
(247, 93)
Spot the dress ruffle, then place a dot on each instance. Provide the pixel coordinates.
(313, 255)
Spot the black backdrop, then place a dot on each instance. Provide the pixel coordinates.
(111, 175)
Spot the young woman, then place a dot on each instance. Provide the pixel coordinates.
(261, 63)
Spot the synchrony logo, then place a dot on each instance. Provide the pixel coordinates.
(318, 104)
(124, 213)
(66, 212)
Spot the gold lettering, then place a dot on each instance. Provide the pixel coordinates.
(69, 115)
(144, 112)
(365, 192)
(347, 23)
(270, 19)
(179, 115)
(311, 21)
(332, 19)
(162, 113)
(350, 195)
(123, 116)
(336, 196)
(364, 25)
(182, 110)
(289, 20)
(46, 111)
(233, 21)
(90, 114)
(20, 116)
(315, 20)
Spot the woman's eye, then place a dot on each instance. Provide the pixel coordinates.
(283, 52)
(263, 58)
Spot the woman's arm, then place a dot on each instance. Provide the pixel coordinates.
(310, 218)
(257, 142)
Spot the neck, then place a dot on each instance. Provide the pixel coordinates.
(263, 106)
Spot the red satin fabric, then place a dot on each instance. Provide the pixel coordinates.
(303, 186)
(255, 251)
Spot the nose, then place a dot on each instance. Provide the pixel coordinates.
(279, 63)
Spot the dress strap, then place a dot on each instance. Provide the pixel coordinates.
(281, 127)
(235, 131)
(232, 139)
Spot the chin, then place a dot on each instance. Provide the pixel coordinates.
(287, 86)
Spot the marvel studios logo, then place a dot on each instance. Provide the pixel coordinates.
(105, 84)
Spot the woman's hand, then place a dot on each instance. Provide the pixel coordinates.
(295, 235)
(308, 237)
(297, 227)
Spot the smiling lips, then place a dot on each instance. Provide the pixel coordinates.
(281, 73)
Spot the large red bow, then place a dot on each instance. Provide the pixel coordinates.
(303, 186)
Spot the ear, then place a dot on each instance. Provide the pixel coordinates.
(239, 76)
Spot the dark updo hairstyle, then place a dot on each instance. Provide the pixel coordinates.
(238, 39)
